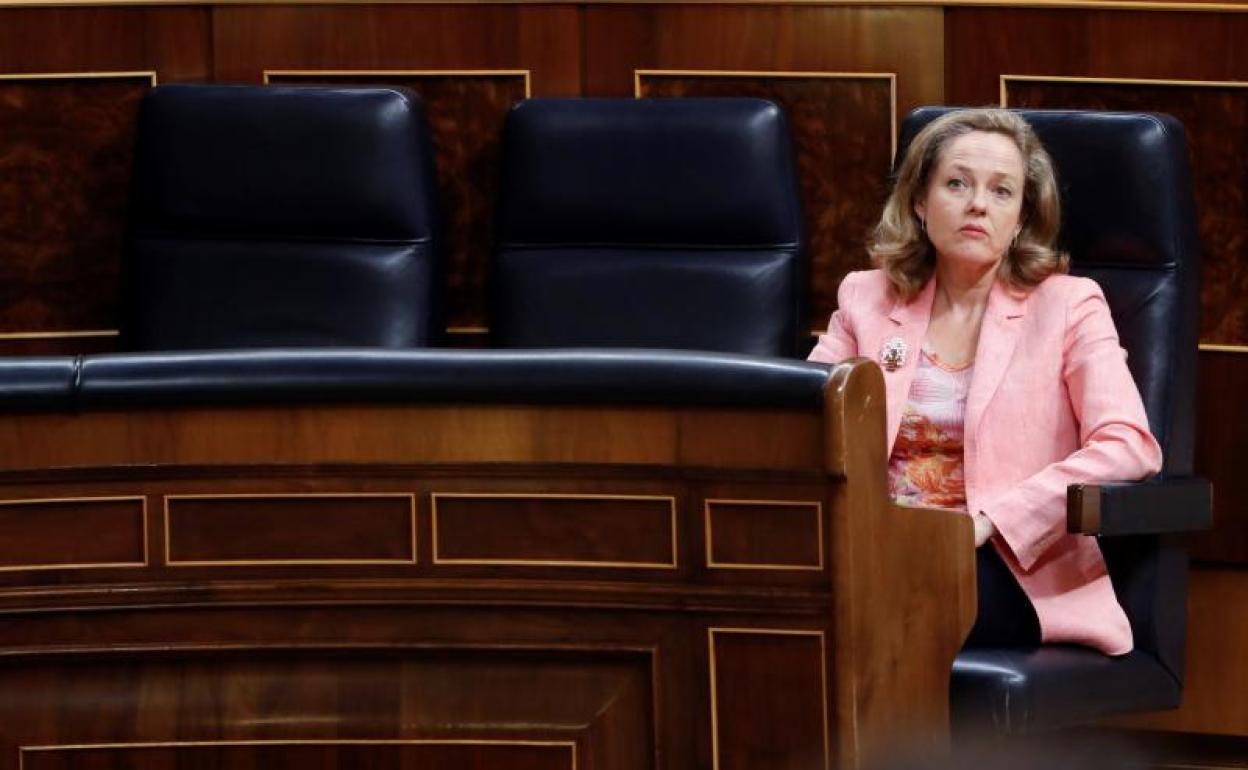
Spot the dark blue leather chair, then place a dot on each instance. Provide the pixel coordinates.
(276, 217)
(1129, 223)
(670, 223)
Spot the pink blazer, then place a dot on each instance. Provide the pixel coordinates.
(1051, 403)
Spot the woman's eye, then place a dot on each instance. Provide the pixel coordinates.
(1004, 192)
(956, 184)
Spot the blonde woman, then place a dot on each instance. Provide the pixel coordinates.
(1005, 379)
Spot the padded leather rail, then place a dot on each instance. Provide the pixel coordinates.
(1153, 507)
(38, 382)
(583, 376)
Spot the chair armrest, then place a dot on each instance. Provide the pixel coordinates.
(1153, 507)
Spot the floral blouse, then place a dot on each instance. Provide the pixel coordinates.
(926, 465)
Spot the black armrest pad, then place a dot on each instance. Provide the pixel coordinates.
(1157, 506)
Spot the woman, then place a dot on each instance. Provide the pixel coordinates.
(1005, 380)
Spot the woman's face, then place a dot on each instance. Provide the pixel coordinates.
(974, 200)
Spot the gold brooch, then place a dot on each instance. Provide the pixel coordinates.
(893, 354)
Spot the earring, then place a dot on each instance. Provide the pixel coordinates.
(923, 224)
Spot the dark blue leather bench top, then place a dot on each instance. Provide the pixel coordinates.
(574, 376)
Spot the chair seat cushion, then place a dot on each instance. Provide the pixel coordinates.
(1011, 691)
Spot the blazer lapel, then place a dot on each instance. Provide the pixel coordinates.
(906, 323)
(997, 338)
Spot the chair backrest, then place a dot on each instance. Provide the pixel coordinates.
(670, 223)
(273, 216)
(1128, 221)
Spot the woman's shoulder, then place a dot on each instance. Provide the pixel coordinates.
(867, 288)
(1067, 290)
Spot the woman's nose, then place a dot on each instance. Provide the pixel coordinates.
(979, 199)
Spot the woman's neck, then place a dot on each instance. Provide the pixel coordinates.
(962, 291)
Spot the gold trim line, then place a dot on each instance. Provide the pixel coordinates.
(73, 334)
(312, 74)
(149, 74)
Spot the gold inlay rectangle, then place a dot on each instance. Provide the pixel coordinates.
(816, 508)
(823, 682)
(410, 497)
(149, 75)
(143, 533)
(330, 74)
(891, 77)
(70, 747)
(1005, 80)
(438, 559)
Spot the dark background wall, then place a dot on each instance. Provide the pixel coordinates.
(71, 78)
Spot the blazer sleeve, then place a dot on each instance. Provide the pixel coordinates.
(1115, 442)
(839, 341)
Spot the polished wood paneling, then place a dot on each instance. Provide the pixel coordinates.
(1030, 41)
(620, 39)
(778, 672)
(559, 530)
(842, 128)
(434, 755)
(66, 147)
(413, 433)
(433, 706)
(764, 534)
(1216, 675)
(283, 529)
(466, 113)
(73, 533)
(175, 42)
(618, 662)
(1221, 445)
(544, 39)
(1216, 117)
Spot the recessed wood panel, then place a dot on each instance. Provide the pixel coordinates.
(73, 533)
(66, 151)
(1221, 446)
(1216, 118)
(776, 673)
(842, 127)
(466, 111)
(764, 534)
(427, 755)
(290, 529)
(431, 706)
(556, 530)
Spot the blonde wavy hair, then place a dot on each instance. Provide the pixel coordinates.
(900, 247)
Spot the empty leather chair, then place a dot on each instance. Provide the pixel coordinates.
(669, 223)
(1129, 223)
(269, 217)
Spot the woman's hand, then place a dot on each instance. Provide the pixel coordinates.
(984, 528)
